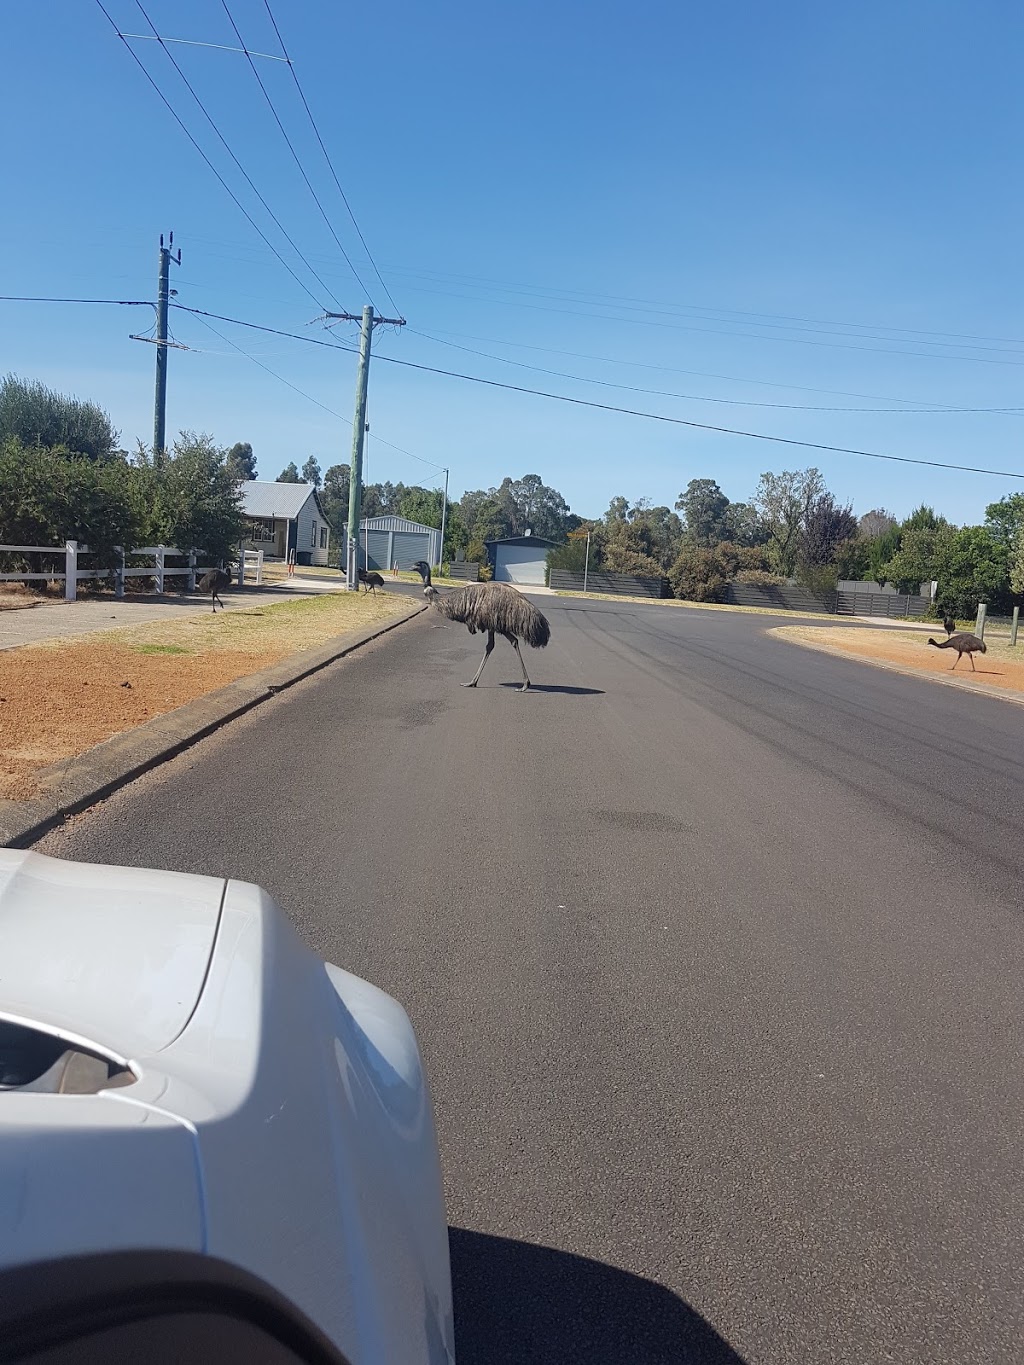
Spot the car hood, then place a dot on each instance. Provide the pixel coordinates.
(108, 956)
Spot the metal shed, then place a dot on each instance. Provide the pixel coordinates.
(387, 541)
(519, 559)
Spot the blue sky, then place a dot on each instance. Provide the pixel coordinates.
(650, 195)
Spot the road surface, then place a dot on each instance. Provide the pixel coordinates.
(714, 948)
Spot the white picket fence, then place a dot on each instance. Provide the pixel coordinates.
(72, 575)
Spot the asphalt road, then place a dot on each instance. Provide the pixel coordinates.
(714, 949)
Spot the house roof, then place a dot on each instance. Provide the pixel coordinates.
(525, 540)
(261, 498)
(392, 523)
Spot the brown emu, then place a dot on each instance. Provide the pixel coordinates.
(963, 644)
(371, 580)
(214, 581)
(495, 608)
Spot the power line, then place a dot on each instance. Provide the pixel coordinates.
(411, 456)
(628, 412)
(46, 298)
(295, 155)
(279, 377)
(330, 163)
(692, 397)
(212, 122)
(715, 331)
(713, 374)
(177, 118)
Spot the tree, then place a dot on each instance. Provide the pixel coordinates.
(782, 501)
(422, 505)
(876, 523)
(311, 472)
(334, 496)
(702, 573)
(917, 559)
(880, 538)
(40, 417)
(241, 460)
(289, 474)
(705, 510)
(1005, 518)
(826, 527)
(199, 502)
(1017, 564)
(971, 565)
(743, 525)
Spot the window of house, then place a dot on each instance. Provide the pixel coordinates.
(312, 540)
(263, 529)
(323, 537)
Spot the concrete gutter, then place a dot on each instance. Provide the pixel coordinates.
(77, 783)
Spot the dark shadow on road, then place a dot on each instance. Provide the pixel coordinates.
(519, 1304)
(555, 687)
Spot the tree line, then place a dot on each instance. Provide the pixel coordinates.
(63, 476)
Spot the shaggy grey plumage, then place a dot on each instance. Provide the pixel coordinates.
(949, 625)
(963, 644)
(492, 607)
(371, 580)
(213, 582)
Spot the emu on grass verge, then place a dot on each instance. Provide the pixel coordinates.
(963, 644)
(492, 607)
(370, 579)
(213, 582)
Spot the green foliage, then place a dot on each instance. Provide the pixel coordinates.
(917, 559)
(972, 565)
(1017, 564)
(50, 496)
(422, 505)
(311, 472)
(881, 549)
(702, 573)
(198, 503)
(289, 474)
(39, 417)
(705, 510)
(241, 461)
(572, 556)
(782, 502)
(334, 497)
(517, 506)
(1005, 518)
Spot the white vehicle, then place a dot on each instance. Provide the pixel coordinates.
(213, 1145)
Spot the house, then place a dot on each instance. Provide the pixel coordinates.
(387, 541)
(520, 559)
(284, 517)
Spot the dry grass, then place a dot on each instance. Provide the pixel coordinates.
(18, 596)
(1000, 666)
(60, 698)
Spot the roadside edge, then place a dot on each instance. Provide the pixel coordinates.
(78, 783)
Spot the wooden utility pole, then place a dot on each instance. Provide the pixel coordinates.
(369, 320)
(163, 344)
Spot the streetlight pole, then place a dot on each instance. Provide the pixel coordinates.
(444, 517)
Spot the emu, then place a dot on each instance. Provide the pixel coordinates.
(371, 580)
(948, 624)
(963, 644)
(213, 582)
(492, 607)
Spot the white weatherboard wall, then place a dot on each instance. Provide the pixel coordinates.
(520, 564)
(310, 523)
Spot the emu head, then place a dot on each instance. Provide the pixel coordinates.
(423, 569)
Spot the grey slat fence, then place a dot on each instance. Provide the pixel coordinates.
(470, 572)
(617, 584)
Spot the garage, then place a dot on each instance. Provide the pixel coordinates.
(387, 543)
(520, 559)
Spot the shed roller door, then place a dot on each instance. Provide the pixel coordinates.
(377, 550)
(411, 546)
(520, 564)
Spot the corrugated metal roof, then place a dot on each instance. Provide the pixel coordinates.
(393, 524)
(261, 498)
(524, 540)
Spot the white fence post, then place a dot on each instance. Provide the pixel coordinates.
(70, 570)
(159, 568)
(191, 570)
(259, 568)
(979, 625)
(241, 565)
(119, 573)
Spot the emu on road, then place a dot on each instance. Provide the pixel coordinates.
(495, 608)
(371, 580)
(963, 644)
(213, 582)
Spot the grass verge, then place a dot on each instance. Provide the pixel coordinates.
(999, 667)
(61, 697)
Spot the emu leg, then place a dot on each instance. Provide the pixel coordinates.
(958, 658)
(487, 649)
(519, 655)
(971, 657)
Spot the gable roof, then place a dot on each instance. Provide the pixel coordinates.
(261, 498)
(524, 540)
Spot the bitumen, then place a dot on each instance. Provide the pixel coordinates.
(714, 949)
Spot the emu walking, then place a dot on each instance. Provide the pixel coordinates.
(963, 644)
(213, 581)
(948, 624)
(370, 580)
(492, 607)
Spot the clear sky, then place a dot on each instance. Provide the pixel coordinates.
(771, 204)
